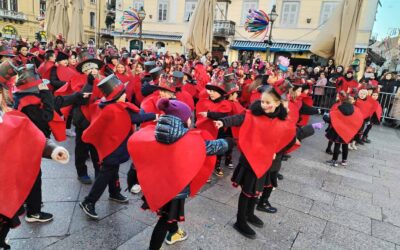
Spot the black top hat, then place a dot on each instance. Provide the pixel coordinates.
(61, 56)
(111, 87)
(7, 71)
(148, 66)
(86, 57)
(28, 79)
(5, 50)
(178, 78)
(155, 73)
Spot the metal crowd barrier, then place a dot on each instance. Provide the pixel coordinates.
(325, 97)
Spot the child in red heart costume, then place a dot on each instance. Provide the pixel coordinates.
(175, 173)
(264, 131)
(19, 173)
(345, 120)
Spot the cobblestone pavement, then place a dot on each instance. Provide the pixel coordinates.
(319, 207)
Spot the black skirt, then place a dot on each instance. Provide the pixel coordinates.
(245, 177)
(174, 210)
(332, 136)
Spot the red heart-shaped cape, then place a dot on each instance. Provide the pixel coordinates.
(346, 126)
(260, 137)
(22, 145)
(109, 128)
(164, 170)
(205, 105)
(366, 107)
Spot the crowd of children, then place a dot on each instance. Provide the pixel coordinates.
(191, 113)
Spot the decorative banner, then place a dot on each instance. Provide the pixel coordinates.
(257, 22)
(130, 21)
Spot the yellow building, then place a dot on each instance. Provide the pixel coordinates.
(18, 18)
(23, 18)
(297, 25)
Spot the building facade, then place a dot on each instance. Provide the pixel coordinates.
(24, 18)
(298, 24)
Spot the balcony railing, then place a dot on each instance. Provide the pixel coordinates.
(10, 14)
(224, 28)
(106, 31)
(111, 7)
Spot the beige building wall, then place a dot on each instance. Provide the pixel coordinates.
(28, 27)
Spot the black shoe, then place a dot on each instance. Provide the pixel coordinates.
(218, 172)
(329, 151)
(4, 246)
(245, 230)
(119, 198)
(89, 210)
(359, 142)
(255, 221)
(366, 140)
(229, 163)
(279, 176)
(39, 217)
(266, 207)
(332, 163)
(85, 179)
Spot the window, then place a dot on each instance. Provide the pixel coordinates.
(42, 7)
(162, 10)
(327, 11)
(248, 5)
(138, 4)
(220, 11)
(93, 1)
(13, 5)
(3, 4)
(92, 20)
(190, 5)
(290, 13)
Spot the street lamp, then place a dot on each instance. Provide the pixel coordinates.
(142, 16)
(272, 18)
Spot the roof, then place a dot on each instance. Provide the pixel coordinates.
(279, 46)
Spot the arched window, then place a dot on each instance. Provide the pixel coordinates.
(135, 45)
(160, 45)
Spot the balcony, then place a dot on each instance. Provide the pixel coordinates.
(224, 28)
(12, 15)
(107, 31)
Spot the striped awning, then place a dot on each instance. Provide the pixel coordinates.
(161, 37)
(288, 47)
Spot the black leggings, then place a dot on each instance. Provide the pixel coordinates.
(367, 129)
(160, 231)
(330, 143)
(246, 208)
(4, 229)
(345, 151)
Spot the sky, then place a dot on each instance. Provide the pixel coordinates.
(387, 18)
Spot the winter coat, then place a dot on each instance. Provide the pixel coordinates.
(395, 112)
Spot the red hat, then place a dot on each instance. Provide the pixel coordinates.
(168, 84)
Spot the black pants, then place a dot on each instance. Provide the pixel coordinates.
(367, 129)
(4, 229)
(265, 195)
(69, 121)
(330, 143)
(345, 151)
(108, 175)
(82, 151)
(34, 199)
(160, 231)
(132, 177)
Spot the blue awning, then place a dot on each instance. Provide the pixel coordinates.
(288, 47)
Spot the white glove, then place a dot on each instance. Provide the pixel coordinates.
(60, 154)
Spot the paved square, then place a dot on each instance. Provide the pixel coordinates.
(319, 207)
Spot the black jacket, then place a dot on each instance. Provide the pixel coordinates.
(40, 115)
